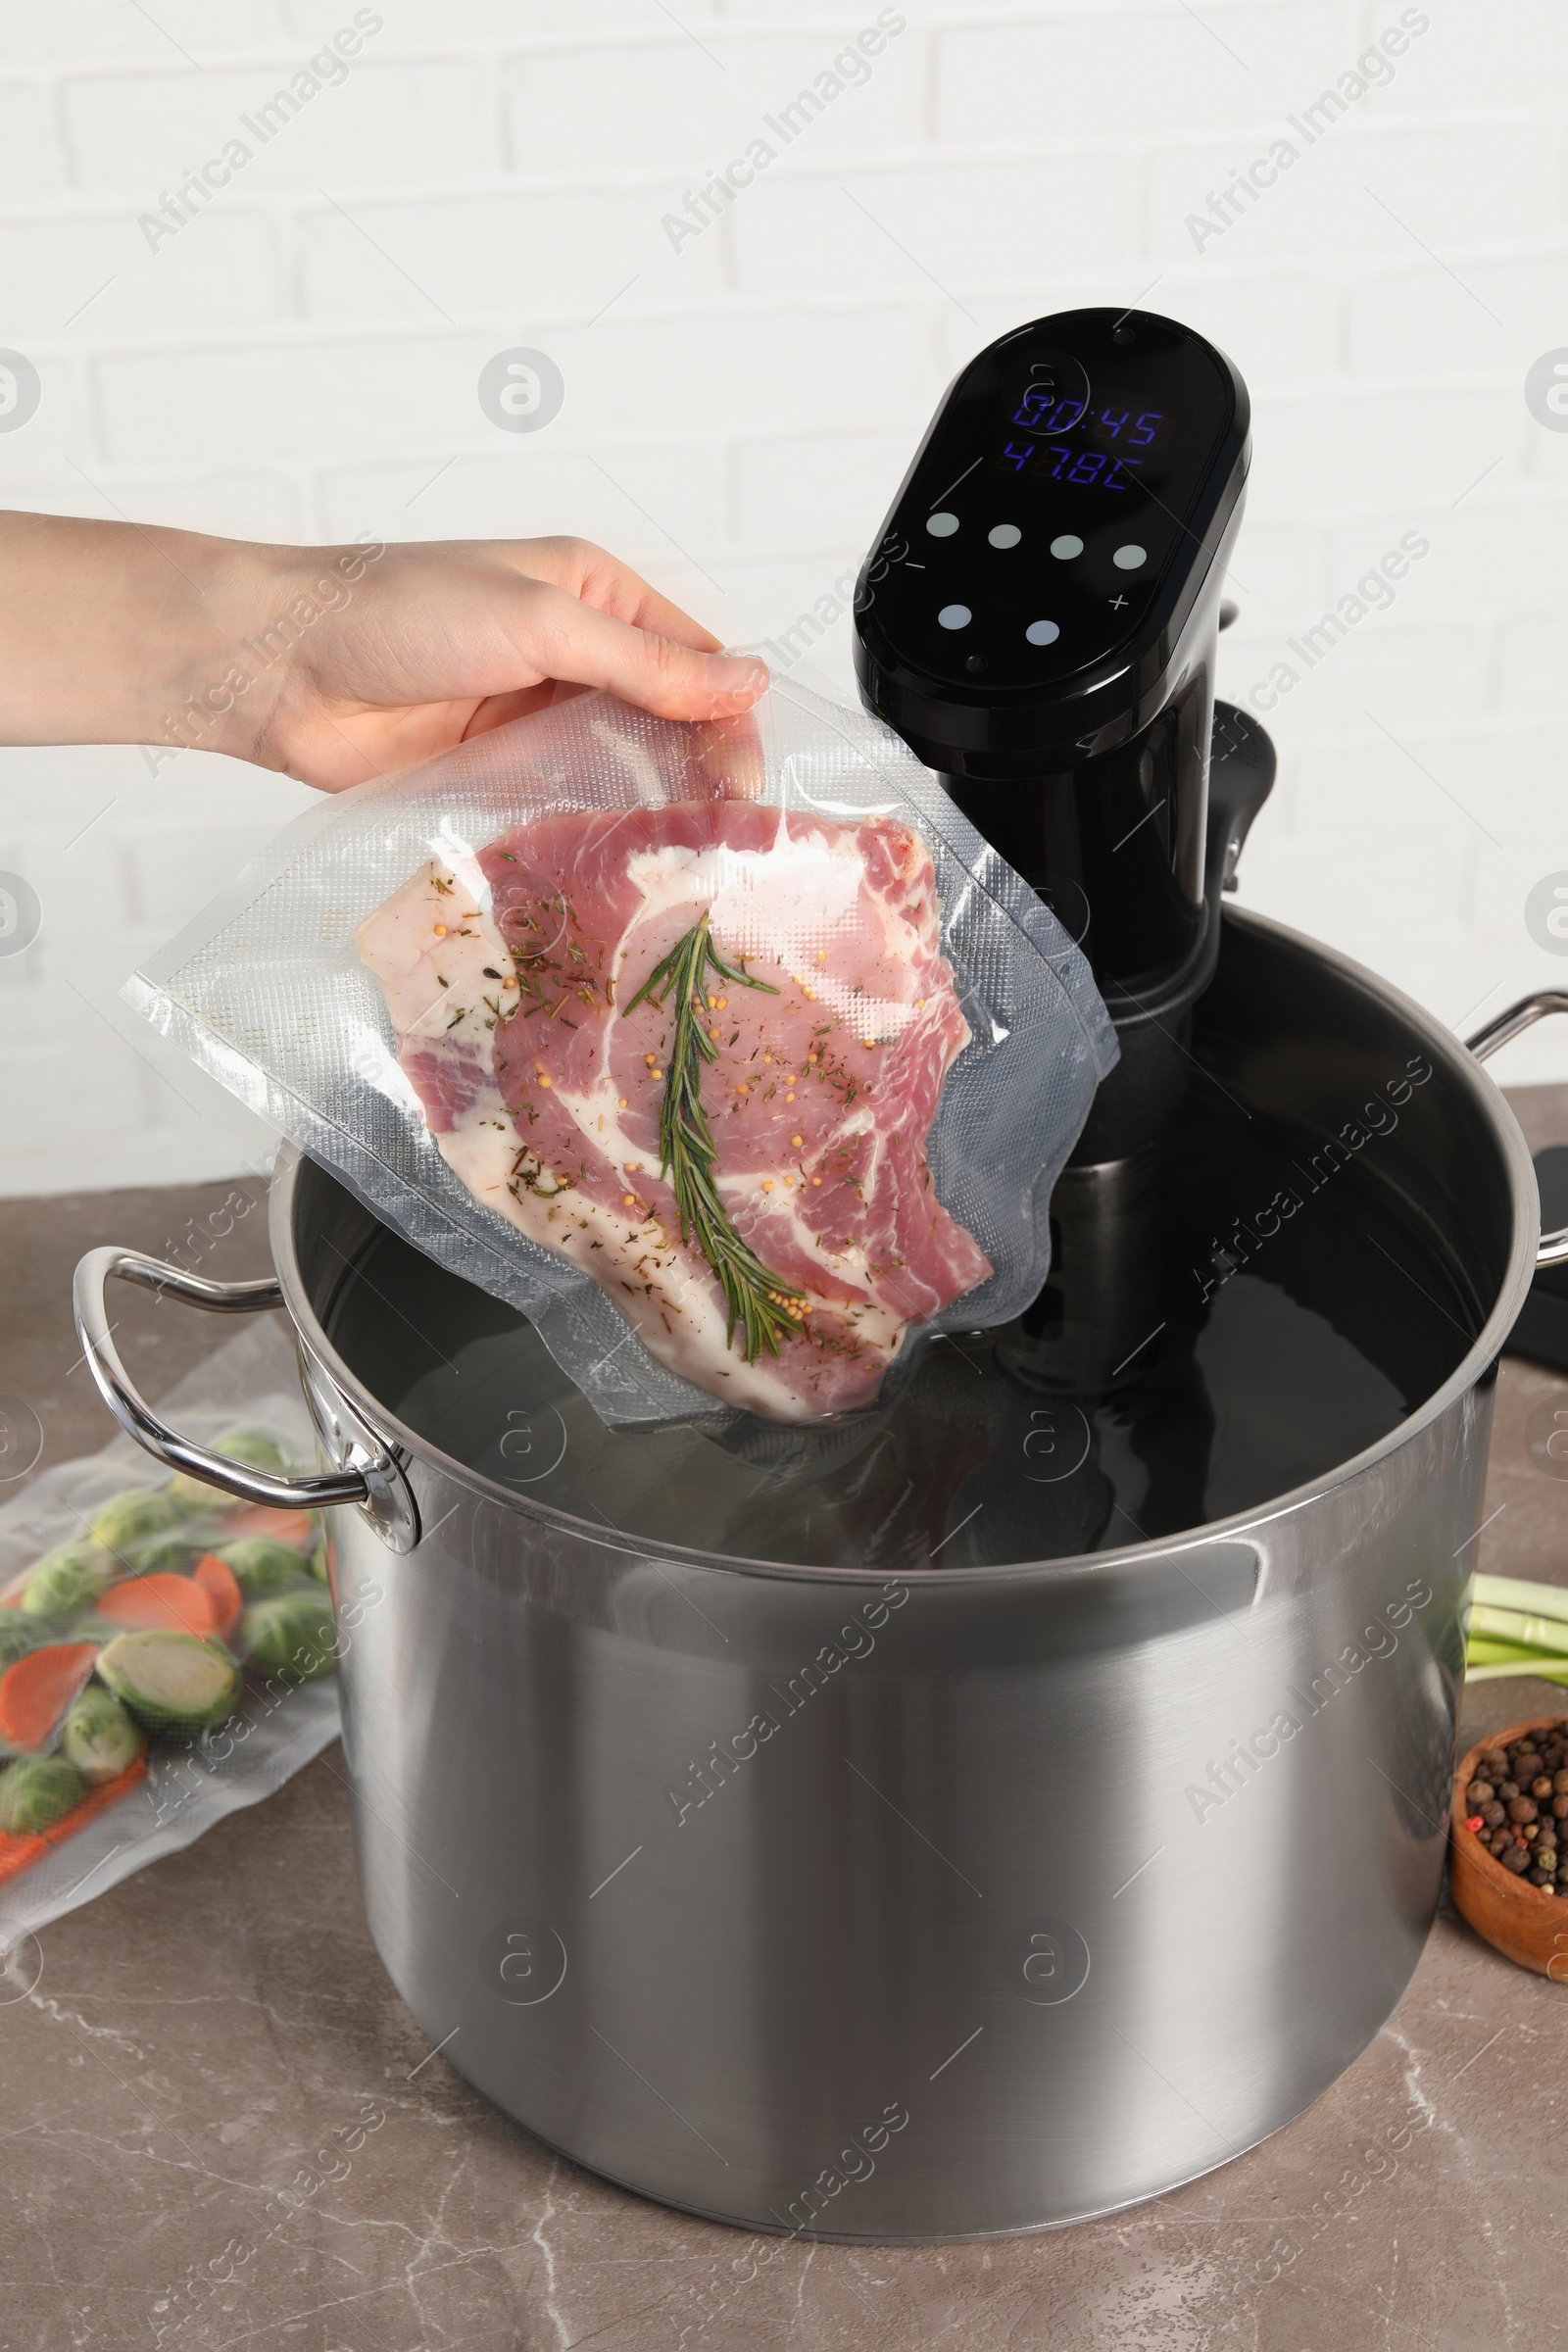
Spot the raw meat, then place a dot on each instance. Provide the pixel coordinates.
(504, 977)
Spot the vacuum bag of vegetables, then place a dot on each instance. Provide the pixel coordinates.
(730, 1053)
(166, 1653)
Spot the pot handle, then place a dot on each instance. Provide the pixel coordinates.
(1554, 1249)
(370, 1475)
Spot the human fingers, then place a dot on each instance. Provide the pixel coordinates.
(573, 640)
(601, 579)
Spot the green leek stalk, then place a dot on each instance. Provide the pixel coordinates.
(1533, 1632)
(1516, 1627)
(1543, 1671)
(1513, 1592)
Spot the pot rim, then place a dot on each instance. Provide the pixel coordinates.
(1483, 1352)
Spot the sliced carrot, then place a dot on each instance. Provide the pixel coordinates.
(163, 1603)
(17, 1852)
(37, 1689)
(216, 1580)
(298, 1528)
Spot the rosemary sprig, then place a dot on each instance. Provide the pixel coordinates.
(766, 1309)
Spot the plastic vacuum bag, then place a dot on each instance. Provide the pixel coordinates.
(96, 1780)
(641, 1026)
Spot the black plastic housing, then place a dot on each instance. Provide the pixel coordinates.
(1093, 688)
(1038, 619)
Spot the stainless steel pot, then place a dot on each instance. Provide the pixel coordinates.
(974, 1902)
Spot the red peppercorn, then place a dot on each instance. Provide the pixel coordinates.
(1475, 1821)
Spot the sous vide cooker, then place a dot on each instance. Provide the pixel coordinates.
(733, 1813)
(1039, 621)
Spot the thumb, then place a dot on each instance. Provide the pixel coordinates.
(588, 648)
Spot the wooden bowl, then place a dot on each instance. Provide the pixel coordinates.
(1524, 1922)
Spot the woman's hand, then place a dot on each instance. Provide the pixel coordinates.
(433, 644)
(332, 665)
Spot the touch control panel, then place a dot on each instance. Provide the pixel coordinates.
(1067, 480)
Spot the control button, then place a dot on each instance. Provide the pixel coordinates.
(954, 616)
(942, 526)
(976, 662)
(1067, 547)
(1128, 559)
(1042, 633)
(1006, 534)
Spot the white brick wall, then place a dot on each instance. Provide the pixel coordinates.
(300, 361)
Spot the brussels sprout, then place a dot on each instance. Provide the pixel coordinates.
(98, 1736)
(17, 1638)
(171, 1682)
(292, 1633)
(257, 1448)
(261, 1564)
(126, 1520)
(172, 1549)
(70, 1577)
(36, 1791)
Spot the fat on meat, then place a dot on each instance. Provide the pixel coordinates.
(505, 975)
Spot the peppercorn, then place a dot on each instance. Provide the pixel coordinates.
(1517, 1805)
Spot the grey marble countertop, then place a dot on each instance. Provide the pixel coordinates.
(202, 2031)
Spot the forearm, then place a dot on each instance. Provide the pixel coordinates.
(331, 663)
(113, 633)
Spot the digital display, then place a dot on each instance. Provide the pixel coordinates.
(1043, 409)
(1104, 445)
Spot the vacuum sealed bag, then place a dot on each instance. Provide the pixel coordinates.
(167, 1654)
(730, 1054)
